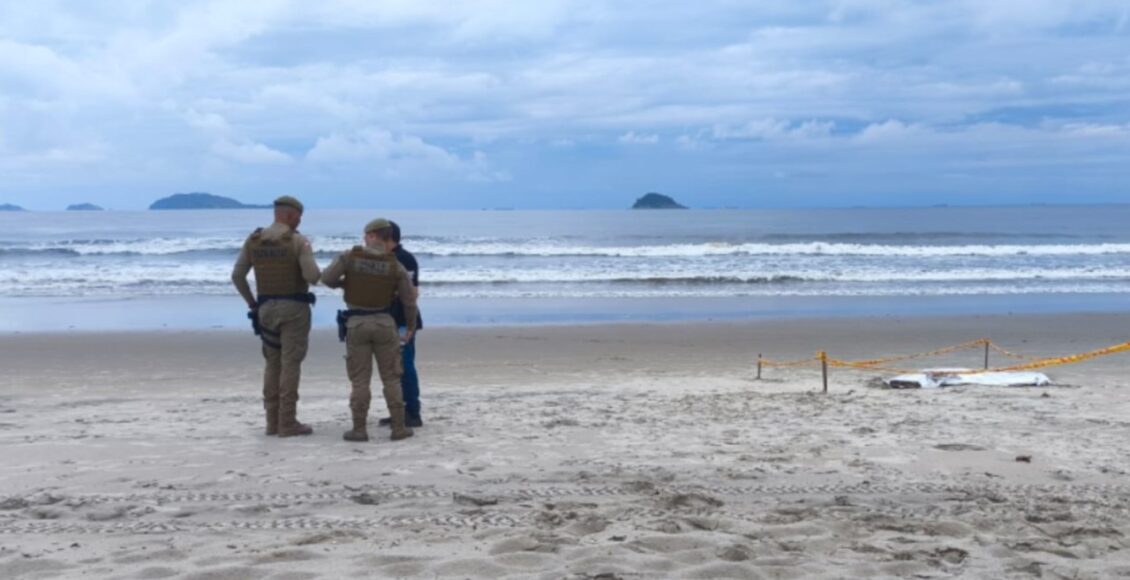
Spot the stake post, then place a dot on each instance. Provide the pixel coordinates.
(824, 368)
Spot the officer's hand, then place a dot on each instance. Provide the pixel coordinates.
(253, 306)
(407, 336)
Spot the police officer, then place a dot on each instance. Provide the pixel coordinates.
(284, 269)
(373, 280)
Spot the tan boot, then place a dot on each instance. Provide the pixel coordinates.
(399, 430)
(358, 433)
(273, 421)
(289, 425)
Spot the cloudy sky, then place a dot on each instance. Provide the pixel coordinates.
(566, 103)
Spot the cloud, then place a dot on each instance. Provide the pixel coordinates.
(888, 131)
(632, 138)
(377, 145)
(445, 97)
(1086, 130)
(775, 130)
(250, 153)
(397, 155)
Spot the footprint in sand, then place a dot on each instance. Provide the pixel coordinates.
(471, 568)
(31, 567)
(234, 573)
(690, 501)
(958, 447)
(587, 525)
(156, 573)
(287, 556)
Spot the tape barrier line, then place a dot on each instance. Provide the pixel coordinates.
(945, 350)
(1063, 360)
(879, 364)
(1011, 354)
(789, 363)
(873, 363)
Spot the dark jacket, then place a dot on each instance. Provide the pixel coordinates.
(407, 260)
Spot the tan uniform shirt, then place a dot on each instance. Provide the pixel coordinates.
(334, 275)
(275, 231)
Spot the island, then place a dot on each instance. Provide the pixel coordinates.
(83, 207)
(10, 207)
(657, 201)
(199, 200)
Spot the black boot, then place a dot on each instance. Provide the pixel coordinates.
(409, 420)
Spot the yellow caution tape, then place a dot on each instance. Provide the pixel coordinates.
(788, 363)
(879, 364)
(937, 352)
(1063, 360)
(866, 367)
(1011, 354)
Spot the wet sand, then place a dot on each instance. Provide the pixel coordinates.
(630, 451)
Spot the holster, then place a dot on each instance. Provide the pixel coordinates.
(253, 315)
(342, 318)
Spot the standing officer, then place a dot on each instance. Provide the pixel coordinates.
(373, 279)
(284, 269)
(410, 380)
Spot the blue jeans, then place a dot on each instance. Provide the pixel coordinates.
(409, 381)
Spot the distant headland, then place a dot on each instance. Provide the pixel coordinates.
(10, 207)
(83, 207)
(657, 201)
(201, 201)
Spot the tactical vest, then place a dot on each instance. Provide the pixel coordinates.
(276, 265)
(370, 279)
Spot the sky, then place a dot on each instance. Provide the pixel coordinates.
(565, 103)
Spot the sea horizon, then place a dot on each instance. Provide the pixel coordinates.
(587, 266)
(923, 206)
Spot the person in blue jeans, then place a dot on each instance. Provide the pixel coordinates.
(409, 380)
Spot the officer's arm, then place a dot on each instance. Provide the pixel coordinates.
(407, 294)
(306, 260)
(332, 276)
(239, 277)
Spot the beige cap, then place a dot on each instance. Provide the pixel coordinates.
(289, 201)
(377, 224)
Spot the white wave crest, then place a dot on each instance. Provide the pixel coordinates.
(551, 248)
(762, 249)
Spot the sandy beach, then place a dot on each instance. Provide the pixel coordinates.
(590, 451)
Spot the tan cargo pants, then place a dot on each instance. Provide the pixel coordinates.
(286, 323)
(369, 337)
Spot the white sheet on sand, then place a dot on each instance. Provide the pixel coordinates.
(935, 378)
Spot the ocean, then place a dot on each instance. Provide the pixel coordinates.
(171, 269)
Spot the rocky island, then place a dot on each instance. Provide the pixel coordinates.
(657, 201)
(201, 201)
(83, 207)
(10, 207)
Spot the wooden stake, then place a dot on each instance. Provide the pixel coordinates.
(986, 354)
(759, 366)
(824, 367)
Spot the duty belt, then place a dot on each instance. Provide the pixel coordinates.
(343, 317)
(305, 298)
